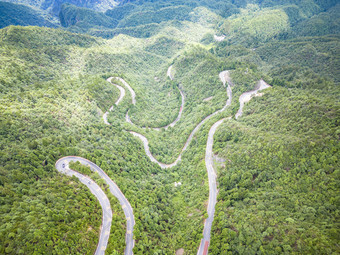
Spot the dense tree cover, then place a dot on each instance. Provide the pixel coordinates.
(39, 217)
(251, 22)
(117, 238)
(322, 24)
(278, 188)
(303, 62)
(53, 7)
(279, 184)
(17, 14)
(82, 17)
(113, 22)
(45, 118)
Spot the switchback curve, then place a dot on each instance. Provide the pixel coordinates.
(62, 166)
(146, 143)
(121, 96)
(172, 124)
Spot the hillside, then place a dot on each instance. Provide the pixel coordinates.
(17, 14)
(53, 7)
(277, 178)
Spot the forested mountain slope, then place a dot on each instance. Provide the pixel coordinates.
(17, 14)
(277, 165)
(53, 6)
(260, 20)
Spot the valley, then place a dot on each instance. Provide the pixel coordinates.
(170, 127)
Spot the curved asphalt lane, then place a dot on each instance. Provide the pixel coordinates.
(209, 163)
(245, 97)
(121, 96)
(146, 143)
(62, 166)
(172, 124)
(168, 73)
(132, 92)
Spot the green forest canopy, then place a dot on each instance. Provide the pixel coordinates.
(279, 183)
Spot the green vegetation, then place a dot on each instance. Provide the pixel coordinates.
(71, 15)
(321, 24)
(278, 187)
(280, 178)
(17, 14)
(45, 117)
(117, 238)
(53, 7)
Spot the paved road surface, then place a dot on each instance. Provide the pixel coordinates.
(219, 38)
(121, 96)
(148, 153)
(114, 189)
(162, 165)
(132, 92)
(245, 97)
(172, 124)
(209, 163)
(121, 89)
(62, 166)
(168, 73)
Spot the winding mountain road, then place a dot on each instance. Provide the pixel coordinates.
(169, 74)
(146, 143)
(132, 92)
(121, 96)
(245, 97)
(62, 166)
(172, 124)
(209, 164)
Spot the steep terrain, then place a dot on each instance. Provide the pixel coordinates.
(276, 166)
(17, 14)
(53, 6)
